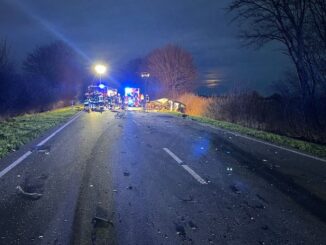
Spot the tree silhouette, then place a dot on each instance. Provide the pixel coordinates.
(173, 69)
(294, 24)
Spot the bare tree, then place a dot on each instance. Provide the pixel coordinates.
(289, 22)
(316, 41)
(4, 55)
(173, 68)
(57, 67)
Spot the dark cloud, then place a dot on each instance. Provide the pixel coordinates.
(118, 31)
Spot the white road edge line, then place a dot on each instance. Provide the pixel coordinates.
(23, 157)
(177, 159)
(186, 167)
(14, 164)
(194, 174)
(264, 142)
(58, 130)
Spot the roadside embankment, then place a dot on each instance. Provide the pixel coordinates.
(17, 131)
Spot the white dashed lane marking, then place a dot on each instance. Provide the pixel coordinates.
(185, 167)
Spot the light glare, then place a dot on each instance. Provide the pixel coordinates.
(100, 69)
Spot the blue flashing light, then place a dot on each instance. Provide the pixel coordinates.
(101, 86)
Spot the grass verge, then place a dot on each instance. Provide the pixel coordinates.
(303, 146)
(17, 131)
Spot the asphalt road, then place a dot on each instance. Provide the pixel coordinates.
(143, 178)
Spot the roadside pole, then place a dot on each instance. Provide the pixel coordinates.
(145, 76)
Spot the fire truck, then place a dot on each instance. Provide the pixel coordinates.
(132, 97)
(100, 97)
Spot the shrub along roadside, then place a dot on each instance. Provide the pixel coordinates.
(17, 131)
(303, 146)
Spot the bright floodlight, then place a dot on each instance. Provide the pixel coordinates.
(101, 86)
(145, 74)
(100, 69)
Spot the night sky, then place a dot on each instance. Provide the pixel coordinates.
(121, 30)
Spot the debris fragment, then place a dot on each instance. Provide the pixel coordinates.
(30, 195)
(180, 230)
(235, 189)
(126, 173)
(192, 225)
(101, 222)
(42, 149)
(190, 199)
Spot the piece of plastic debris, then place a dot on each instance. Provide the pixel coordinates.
(264, 160)
(91, 186)
(18, 176)
(41, 237)
(30, 195)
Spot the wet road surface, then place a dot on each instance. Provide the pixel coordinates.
(143, 178)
